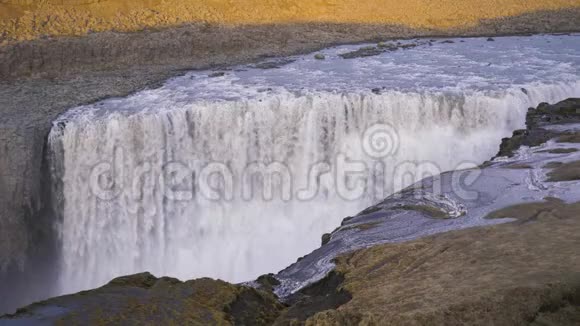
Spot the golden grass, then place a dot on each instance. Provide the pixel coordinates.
(29, 19)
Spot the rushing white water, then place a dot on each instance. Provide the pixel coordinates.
(168, 180)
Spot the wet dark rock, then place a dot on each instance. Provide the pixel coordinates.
(326, 238)
(490, 39)
(510, 144)
(252, 307)
(369, 210)
(377, 90)
(519, 138)
(267, 282)
(368, 51)
(433, 212)
(567, 111)
(525, 91)
(347, 219)
(560, 151)
(382, 47)
(266, 89)
(447, 42)
(408, 46)
(274, 64)
(217, 74)
(323, 295)
(518, 166)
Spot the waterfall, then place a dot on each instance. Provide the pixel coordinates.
(233, 189)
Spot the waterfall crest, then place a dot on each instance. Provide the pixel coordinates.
(234, 189)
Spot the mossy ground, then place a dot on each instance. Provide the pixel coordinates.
(511, 274)
(143, 299)
(565, 172)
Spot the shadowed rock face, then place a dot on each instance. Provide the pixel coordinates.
(523, 273)
(28, 242)
(567, 111)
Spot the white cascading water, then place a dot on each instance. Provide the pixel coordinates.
(167, 188)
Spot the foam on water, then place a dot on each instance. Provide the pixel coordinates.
(138, 174)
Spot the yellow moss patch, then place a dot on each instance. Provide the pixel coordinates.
(29, 19)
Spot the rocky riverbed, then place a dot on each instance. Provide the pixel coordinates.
(498, 245)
